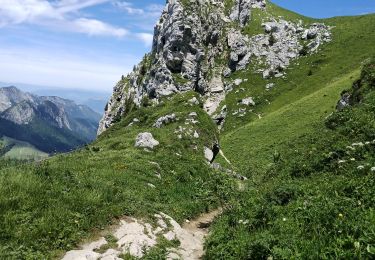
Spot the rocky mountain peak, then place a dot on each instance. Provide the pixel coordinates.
(197, 45)
(12, 95)
(22, 108)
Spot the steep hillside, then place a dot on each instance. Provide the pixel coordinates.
(311, 195)
(261, 84)
(65, 198)
(50, 124)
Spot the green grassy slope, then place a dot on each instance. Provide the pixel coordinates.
(51, 206)
(316, 199)
(19, 150)
(352, 43)
(252, 146)
(300, 203)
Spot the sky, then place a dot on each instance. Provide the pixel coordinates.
(89, 44)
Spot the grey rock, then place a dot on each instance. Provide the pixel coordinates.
(208, 154)
(193, 114)
(270, 86)
(248, 101)
(227, 72)
(220, 118)
(238, 82)
(344, 101)
(164, 120)
(194, 101)
(146, 140)
(241, 11)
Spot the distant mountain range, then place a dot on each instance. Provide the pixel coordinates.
(48, 124)
(94, 99)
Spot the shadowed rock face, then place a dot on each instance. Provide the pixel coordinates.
(192, 40)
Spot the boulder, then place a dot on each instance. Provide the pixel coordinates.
(146, 140)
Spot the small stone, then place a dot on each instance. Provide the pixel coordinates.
(196, 135)
(208, 154)
(193, 114)
(194, 101)
(238, 82)
(248, 101)
(270, 86)
(361, 167)
(227, 72)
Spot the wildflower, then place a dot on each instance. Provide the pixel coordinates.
(341, 215)
(284, 219)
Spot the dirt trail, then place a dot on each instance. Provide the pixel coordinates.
(192, 236)
(135, 237)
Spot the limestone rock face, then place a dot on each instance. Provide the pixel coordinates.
(197, 44)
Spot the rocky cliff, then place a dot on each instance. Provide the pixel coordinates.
(199, 44)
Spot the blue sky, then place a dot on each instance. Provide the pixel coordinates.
(89, 44)
(328, 8)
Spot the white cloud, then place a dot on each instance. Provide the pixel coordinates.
(19, 11)
(128, 8)
(66, 6)
(54, 14)
(147, 38)
(150, 12)
(95, 27)
(54, 68)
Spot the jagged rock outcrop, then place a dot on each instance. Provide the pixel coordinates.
(242, 10)
(164, 120)
(191, 40)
